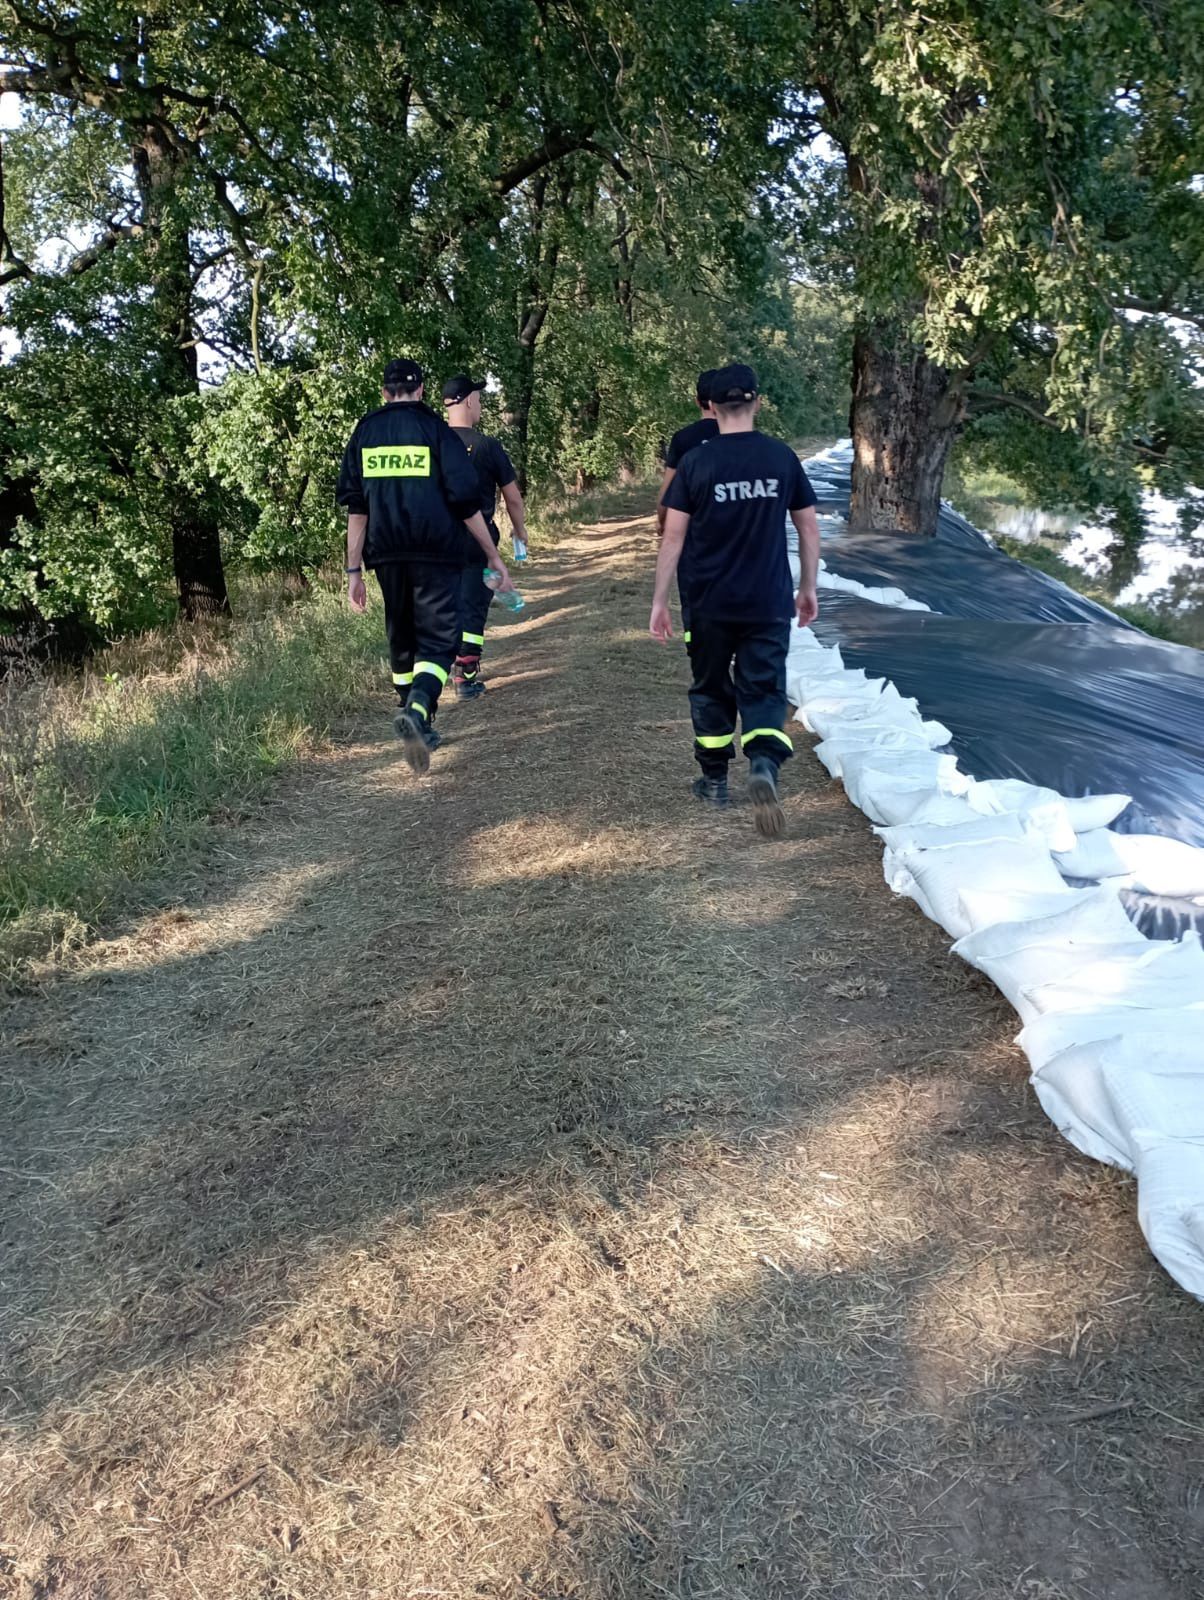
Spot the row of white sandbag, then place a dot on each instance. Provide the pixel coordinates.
(1113, 1021)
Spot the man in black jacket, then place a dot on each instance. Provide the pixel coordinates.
(413, 511)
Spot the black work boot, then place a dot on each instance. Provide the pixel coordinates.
(768, 816)
(466, 678)
(433, 737)
(711, 789)
(417, 738)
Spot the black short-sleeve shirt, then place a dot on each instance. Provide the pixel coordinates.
(686, 438)
(494, 467)
(737, 490)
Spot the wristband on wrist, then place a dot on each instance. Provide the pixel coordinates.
(353, 569)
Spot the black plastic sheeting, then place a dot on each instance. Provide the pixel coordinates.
(1033, 681)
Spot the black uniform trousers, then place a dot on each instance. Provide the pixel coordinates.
(739, 669)
(422, 622)
(475, 599)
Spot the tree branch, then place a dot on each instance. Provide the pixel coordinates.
(554, 148)
(992, 399)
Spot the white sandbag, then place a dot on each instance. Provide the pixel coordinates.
(1167, 973)
(984, 908)
(939, 836)
(840, 705)
(834, 713)
(942, 809)
(1169, 1206)
(874, 781)
(1078, 919)
(809, 681)
(1049, 1034)
(1147, 860)
(850, 742)
(1155, 1090)
(1073, 1096)
(826, 659)
(1089, 811)
(891, 732)
(884, 595)
(1019, 955)
(1161, 866)
(1016, 973)
(1092, 857)
(804, 639)
(940, 877)
(1113, 1022)
(1044, 808)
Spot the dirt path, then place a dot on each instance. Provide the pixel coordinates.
(520, 1184)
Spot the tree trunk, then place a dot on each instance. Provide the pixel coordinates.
(543, 257)
(520, 410)
(905, 415)
(195, 537)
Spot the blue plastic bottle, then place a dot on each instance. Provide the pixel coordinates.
(512, 600)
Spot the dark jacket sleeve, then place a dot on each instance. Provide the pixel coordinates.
(350, 492)
(460, 487)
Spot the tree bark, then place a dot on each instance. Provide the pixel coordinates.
(543, 257)
(904, 417)
(195, 536)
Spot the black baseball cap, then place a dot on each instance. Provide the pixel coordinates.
(703, 389)
(403, 374)
(732, 384)
(459, 388)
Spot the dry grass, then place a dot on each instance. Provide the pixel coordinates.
(109, 773)
(520, 1185)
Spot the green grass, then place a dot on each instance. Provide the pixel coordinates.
(107, 775)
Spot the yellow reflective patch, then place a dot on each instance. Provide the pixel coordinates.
(434, 670)
(687, 637)
(397, 461)
(714, 741)
(403, 677)
(473, 638)
(766, 733)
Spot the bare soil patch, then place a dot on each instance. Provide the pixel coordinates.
(519, 1183)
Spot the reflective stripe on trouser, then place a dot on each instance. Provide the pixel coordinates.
(739, 668)
(422, 621)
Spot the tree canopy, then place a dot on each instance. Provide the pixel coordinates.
(216, 225)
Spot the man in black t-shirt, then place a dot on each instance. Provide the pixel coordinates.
(727, 506)
(685, 439)
(495, 470)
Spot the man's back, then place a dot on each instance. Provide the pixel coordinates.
(737, 489)
(493, 466)
(685, 439)
(405, 468)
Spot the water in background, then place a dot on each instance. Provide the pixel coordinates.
(1165, 555)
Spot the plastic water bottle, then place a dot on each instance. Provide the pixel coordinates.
(520, 548)
(512, 600)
